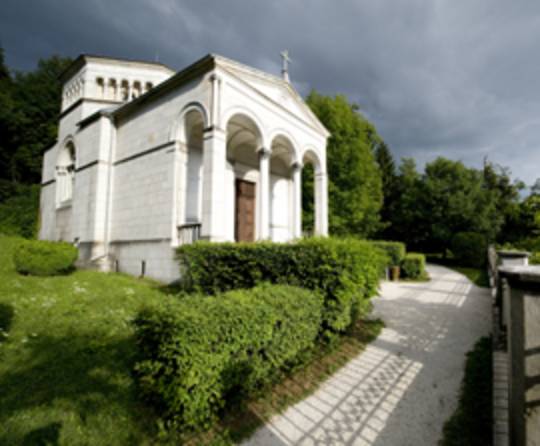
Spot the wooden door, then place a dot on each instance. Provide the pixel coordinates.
(245, 211)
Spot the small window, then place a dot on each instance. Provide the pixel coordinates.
(113, 90)
(100, 87)
(148, 86)
(136, 90)
(124, 90)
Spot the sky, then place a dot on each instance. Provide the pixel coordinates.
(459, 79)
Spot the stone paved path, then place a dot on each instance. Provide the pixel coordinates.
(402, 388)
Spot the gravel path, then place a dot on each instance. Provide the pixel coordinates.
(402, 388)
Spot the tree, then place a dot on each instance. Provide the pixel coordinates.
(387, 167)
(354, 179)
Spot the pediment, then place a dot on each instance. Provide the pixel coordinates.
(276, 90)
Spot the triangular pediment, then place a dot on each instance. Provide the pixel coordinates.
(276, 90)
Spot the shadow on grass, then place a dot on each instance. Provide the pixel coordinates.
(86, 376)
(6, 319)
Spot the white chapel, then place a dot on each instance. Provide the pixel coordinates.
(148, 159)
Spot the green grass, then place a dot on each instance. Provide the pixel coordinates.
(66, 357)
(66, 354)
(471, 423)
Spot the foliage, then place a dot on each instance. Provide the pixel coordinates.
(395, 251)
(199, 352)
(19, 208)
(308, 199)
(29, 107)
(66, 357)
(44, 258)
(413, 266)
(389, 177)
(354, 180)
(345, 271)
(471, 423)
(469, 249)
(534, 259)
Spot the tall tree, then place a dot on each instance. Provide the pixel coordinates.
(354, 179)
(387, 167)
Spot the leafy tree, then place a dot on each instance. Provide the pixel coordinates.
(354, 180)
(387, 167)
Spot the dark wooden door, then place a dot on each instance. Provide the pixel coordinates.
(245, 211)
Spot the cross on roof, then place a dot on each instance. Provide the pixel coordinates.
(285, 68)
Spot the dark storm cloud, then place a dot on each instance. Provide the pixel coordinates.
(458, 79)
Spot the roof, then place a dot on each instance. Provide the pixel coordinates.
(80, 61)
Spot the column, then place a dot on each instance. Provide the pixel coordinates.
(297, 200)
(321, 204)
(213, 199)
(264, 194)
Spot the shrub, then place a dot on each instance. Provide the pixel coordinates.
(43, 258)
(469, 249)
(394, 250)
(345, 271)
(413, 266)
(534, 259)
(198, 353)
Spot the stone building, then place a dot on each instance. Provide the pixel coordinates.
(148, 159)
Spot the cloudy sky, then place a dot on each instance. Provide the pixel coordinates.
(437, 77)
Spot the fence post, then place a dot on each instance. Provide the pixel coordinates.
(523, 337)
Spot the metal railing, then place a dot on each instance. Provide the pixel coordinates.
(189, 233)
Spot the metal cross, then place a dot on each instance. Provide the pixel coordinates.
(285, 68)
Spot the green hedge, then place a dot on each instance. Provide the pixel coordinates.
(413, 266)
(469, 249)
(345, 271)
(43, 258)
(394, 250)
(199, 353)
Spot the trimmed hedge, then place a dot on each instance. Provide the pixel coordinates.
(469, 249)
(394, 250)
(345, 271)
(44, 258)
(199, 353)
(413, 266)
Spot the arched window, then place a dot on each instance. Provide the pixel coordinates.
(100, 87)
(137, 90)
(65, 174)
(148, 86)
(112, 90)
(124, 90)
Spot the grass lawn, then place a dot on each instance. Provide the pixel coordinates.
(66, 355)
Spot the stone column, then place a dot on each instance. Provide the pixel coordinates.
(524, 353)
(297, 200)
(321, 204)
(264, 194)
(213, 193)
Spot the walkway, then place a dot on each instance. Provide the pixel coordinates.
(402, 388)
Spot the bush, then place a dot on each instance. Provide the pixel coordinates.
(394, 250)
(469, 249)
(413, 266)
(43, 258)
(200, 353)
(345, 271)
(534, 259)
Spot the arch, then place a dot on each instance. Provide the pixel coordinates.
(311, 156)
(178, 128)
(65, 171)
(281, 140)
(239, 111)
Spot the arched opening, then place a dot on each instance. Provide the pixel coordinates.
(281, 189)
(244, 139)
(100, 84)
(124, 90)
(310, 193)
(194, 125)
(136, 90)
(65, 174)
(112, 91)
(148, 86)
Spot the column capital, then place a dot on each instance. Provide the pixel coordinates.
(297, 165)
(215, 77)
(264, 151)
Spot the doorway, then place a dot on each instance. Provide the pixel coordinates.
(245, 211)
